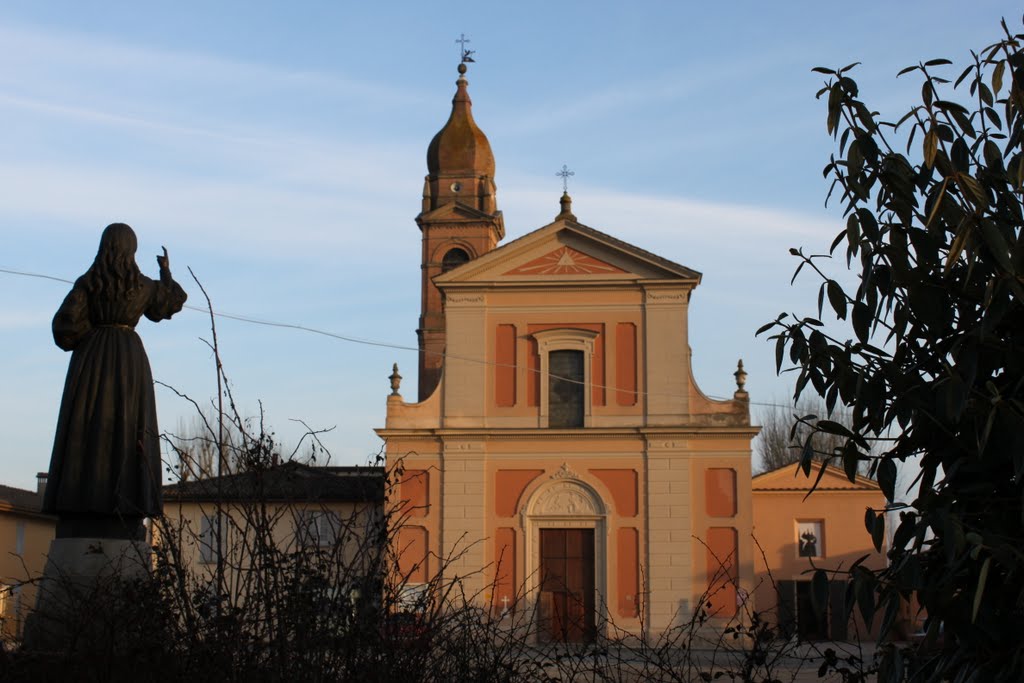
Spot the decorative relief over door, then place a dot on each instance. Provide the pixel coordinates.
(565, 531)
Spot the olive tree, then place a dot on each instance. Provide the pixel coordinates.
(935, 365)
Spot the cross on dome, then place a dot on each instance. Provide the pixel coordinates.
(565, 174)
(464, 54)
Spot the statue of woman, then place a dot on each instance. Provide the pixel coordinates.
(105, 471)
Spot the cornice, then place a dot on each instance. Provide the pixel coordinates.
(7, 508)
(830, 489)
(659, 434)
(576, 283)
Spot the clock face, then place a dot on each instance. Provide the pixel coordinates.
(456, 187)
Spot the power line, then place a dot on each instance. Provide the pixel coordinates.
(391, 345)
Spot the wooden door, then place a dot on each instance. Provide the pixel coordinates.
(811, 624)
(566, 605)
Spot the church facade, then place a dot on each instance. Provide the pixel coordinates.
(560, 457)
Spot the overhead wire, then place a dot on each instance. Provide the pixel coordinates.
(396, 346)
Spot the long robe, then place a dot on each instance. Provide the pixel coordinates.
(106, 451)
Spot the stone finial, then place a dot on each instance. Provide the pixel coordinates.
(565, 472)
(741, 378)
(566, 205)
(396, 380)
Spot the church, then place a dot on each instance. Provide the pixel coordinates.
(559, 457)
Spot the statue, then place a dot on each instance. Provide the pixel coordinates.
(105, 470)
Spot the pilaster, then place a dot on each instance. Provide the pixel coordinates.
(463, 505)
(669, 533)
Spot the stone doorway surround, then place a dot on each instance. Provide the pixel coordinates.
(566, 502)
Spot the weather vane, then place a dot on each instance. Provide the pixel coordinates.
(467, 55)
(565, 174)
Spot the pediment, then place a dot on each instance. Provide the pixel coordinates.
(790, 478)
(454, 211)
(565, 260)
(566, 251)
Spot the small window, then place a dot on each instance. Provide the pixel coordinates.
(211, 531)
(566, 386)
(810, 539)
(453, 259)
(317, 528)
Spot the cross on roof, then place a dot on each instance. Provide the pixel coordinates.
(565, 174)
(466, 55)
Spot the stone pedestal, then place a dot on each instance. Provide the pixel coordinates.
(83, 582)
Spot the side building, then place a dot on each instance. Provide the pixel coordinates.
(560, 456)
(218, 528)
(798, 533)
(25, 535)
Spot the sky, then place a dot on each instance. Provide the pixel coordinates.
(278, 151)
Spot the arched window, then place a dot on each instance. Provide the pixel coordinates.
(453, 259)
(566, 357)
(566, 387)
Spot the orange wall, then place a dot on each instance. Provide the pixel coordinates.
(505, 366)
(722, 520)
(413, 558)
(597, 363)
(625, 364)
(722, 555)
(513, 382)
(622, 484)
(720, 485)
(509, 486)
(776, 514)
(415, 493)
(513, 482)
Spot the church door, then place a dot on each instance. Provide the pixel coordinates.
(566, 608)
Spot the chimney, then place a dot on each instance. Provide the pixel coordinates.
(41, 483)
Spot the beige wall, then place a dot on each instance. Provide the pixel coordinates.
(24, 542)
(243, 524)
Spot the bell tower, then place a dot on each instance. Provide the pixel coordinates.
(459, 220)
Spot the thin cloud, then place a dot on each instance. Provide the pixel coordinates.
(680, 218)
(246, 216)
(54, 55)
(89, 115)
(22, 320)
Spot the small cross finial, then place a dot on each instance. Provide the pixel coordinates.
(565, 174)
(464, 54)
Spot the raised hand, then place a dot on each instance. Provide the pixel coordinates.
(163, 261)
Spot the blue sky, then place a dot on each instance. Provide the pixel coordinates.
(279, 150)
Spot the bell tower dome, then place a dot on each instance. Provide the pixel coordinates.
(459, 220)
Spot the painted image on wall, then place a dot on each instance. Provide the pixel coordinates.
(810, 541)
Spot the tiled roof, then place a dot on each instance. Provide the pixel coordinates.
(291, 481)
(790, 478)
(20, 499)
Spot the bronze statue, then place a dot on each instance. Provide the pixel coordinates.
(105, 471)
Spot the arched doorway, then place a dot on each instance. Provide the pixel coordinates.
(565, 529)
